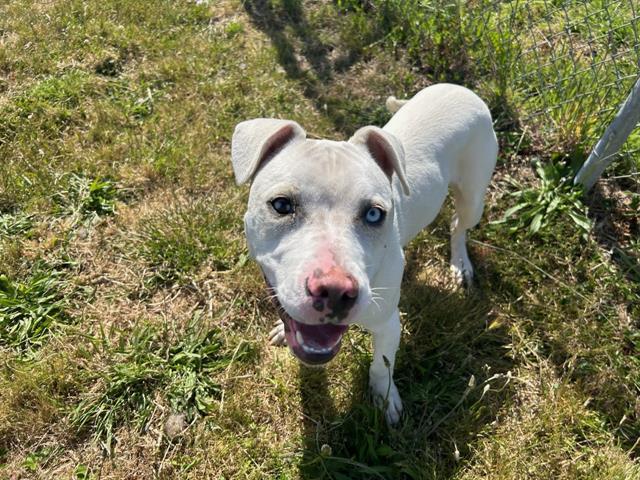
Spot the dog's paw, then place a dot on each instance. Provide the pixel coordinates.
(276, 335)
(387, 398)
(462, 273)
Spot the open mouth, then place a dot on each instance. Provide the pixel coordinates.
(312, 344)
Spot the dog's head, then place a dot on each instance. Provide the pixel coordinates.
(319, 221)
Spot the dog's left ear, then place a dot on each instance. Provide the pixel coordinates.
(386, 150)
(255, 141)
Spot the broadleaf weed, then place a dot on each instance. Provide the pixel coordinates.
(538, 207)
(86, 197)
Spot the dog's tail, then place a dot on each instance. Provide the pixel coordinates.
(393, 104)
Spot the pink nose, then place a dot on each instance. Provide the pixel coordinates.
(334, 289)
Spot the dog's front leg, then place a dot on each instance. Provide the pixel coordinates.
(386, 339)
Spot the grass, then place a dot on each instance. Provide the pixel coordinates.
(516, 54)
(176, 242)
(85, 197)
(11, 225)
(133, 329)
(145, 365)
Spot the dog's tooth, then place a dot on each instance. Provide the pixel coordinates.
(314, 350)
(299, 338)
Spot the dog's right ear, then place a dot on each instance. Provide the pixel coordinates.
(386, 150)
(256, 141)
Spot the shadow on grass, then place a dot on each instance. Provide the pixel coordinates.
(612, 225)
(615, 226)
(446, 344)
(290, 31)
(316, 64)
(274, 22)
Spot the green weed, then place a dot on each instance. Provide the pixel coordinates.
(82, 472)
(30, 310)
(555, 198)
(37, 459)
(147, 364)
(367, 451)
(15, 224)
(86, 197)
(234, 29)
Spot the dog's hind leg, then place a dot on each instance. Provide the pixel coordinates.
(468, 197)
(467, 215)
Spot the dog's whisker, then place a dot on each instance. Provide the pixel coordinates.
(270, 297)
(375, 299)
(384, 288)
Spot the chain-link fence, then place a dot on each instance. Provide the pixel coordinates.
(559, 68)
(568, 65)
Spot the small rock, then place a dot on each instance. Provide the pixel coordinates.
(175, 424)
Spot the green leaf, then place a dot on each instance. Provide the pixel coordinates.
(532, 213)
(536, 223)
(580, 220)
(553, 205)
(514, 209)
(385, 451)
(5, 285)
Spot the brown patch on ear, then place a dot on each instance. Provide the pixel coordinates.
(254, 142)
(386, 150)
(273, 146)
(377, 147)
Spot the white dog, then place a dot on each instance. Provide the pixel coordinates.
(327, 220)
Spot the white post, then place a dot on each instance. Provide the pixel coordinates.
(614, 137)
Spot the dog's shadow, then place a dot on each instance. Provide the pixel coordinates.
(450, 350)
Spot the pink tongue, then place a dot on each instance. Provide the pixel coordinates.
(320, 336)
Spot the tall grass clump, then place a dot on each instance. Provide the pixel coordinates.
(565, 66)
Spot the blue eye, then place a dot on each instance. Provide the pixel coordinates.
(374, 216)
(282, 205)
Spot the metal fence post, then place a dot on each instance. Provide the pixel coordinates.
(610, 143)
